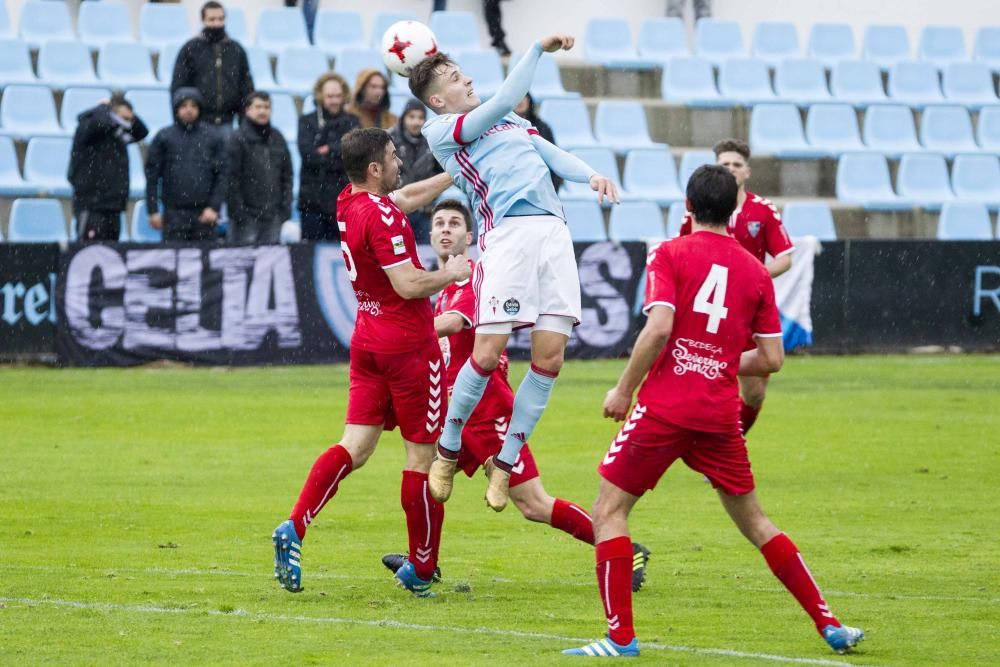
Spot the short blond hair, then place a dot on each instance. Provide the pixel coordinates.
(326, 78)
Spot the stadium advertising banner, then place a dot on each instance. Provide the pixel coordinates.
(27, 298)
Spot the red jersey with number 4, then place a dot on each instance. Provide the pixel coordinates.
(375, 236)
(757, 226)
(722, 297)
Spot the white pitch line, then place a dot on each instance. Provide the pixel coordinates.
(388, 623)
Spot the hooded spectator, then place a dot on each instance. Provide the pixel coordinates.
(418, 161)
(371, 100)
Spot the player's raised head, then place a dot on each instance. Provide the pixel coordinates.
(370, 160)
(440, 84)
(451, 228)
(711, 195)
(734, 155)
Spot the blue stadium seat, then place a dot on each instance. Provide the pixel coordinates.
(987, 47)
(124, 65)
(622, 126)
(801, 81)
(336, 30)
(64, 64)
(863, 179)
(608, 42)
(889, 128)
(382, 22)
(6, 29)
(296, 169)
(662, 38)
(675, 218)
(914, 83)
(833, 128)
(455, 193)
(977, 178)
(15, 62)
(136, 172)
(153, 107)
(352, 61)
(831, 42)
(717, 40)
(691, 81)
(947, 129)
(42, 21)
(162, 24)
(970, 84)
(483, 66)
(141, 232)
(988, 129)
(455, 31)
(547, 83)
(776, 129)
(809, 218)
(260, 69)
(299, 67)
(690, 161)
(166, 60)
(77, 100)
(964, 221)
(236, 24)
(885, 45)
(102, 22)
(11, 182)
(28, 111)
(45, 165)
(745, 81)
(569, 121)
(285, 117)
(923, 180)
(585, 220)
(942, 45)
(650, 173)
(774, 41)
(601, 160)
(397, 102)
(857, 82)
(636, 221)
(280, 28)
(37, 221)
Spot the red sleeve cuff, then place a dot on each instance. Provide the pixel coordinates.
(457, 134)
(532, 130)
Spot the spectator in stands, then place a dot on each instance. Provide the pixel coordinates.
(702, 8)
(526, 110)
(418, 161)
(258, 176)
(309, 9)
(494, 23)
(217, 66)
(184, 168)
(98, 167)
(371, 100)
(323, 175)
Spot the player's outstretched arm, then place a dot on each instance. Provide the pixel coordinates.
(766, 359)
(419, 194)
(648, 346)
(572, 168)
(410, 282)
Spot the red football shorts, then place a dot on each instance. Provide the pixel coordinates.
(646, 447)
(404, 389)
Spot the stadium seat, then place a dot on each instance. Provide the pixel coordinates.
(831, 42)
(585, 220)
(691, 81)
(977, 178)
(37, 221)
(77, 100)
(662, 38)
(28, 111)
(801, 81)
(547, 83)
(885, 45)
(690, 161)
(261, 71)
(153, 107)
(675, 217)
(102, 22)
(833, 128)
(650, 173)
(42, 21)
(776, 129)
(857, 82)
(988, 129)
(11, 182)
(15, 62)
(352, 61)
(745, 81)
(942, 45)
(923, 180)
(456, 31)
(914, 83)
(167, 58)
(986, 50)
(236, 24)
(124, 65)
(296, 169)
(964, 221)
(140, 231)
(947, 129)
(299, 67)
(483, 66)
(569, 121)
(382, 22)
(6, 29)
(775, 41)
(336, 30)
(454, 192)
(280, 28)
(608, 42)
(397, 102)
(285, 117)
(602, 160)
(716, 40)
(809, 218)
(636, 221)
(622, 126)
(45, 165)
(889, 128)
(163, 24)
(64, 64)
(863, 179)
(136, 172)
(970, 84)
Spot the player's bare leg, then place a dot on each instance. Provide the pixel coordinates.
(753, 389)
(786, 563)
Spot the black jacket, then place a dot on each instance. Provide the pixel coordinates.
(188, 159)
(258, 174)
(322, 176)
(98, 162)
(220, 72)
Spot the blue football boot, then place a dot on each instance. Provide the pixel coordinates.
(605, 648)
(407, 577)
(287, 557)
(844, 638)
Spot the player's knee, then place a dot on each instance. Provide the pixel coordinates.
(487, 359)
(754, 397)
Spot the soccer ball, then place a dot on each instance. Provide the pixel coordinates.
(405, 44)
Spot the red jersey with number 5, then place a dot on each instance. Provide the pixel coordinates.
(722, 297)
(757, 226)
(375, 236)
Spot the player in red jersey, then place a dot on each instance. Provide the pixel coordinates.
(707, 300)
(396, 365)
(756, 224)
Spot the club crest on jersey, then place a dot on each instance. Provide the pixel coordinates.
(753, 228)
(494, 302)
(512, 306)
(398, 245)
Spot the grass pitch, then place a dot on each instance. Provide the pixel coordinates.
(136, 508)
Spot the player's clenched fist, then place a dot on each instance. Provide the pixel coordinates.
(553, 43)
(458, 268)
(604, 187)
(616, 404)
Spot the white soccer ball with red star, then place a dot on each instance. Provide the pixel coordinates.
(405, 44)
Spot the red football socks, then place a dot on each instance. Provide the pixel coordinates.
(748, 415)
(786, 562)
(573, 519)
(614, 579)
(424, 518)
(330, 468)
